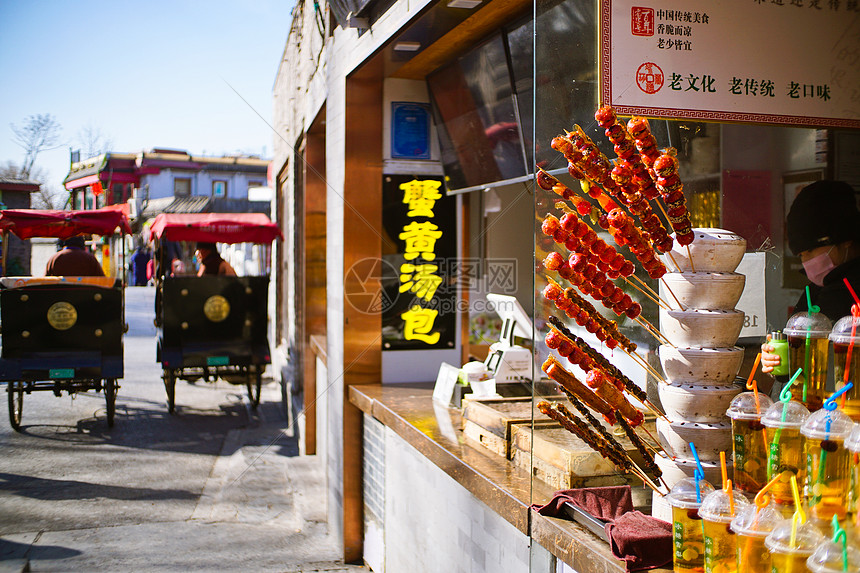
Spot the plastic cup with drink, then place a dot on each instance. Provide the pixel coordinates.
(688, 544)
(791, 543)
(846, 359)
(786, 456)
(808, 339)
(717, 511)
(752, 526)
(828, 460)
(749, 444)
(852, 444)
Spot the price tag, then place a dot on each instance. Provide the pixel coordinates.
(752, 301)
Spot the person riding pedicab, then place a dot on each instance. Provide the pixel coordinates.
(74, 260)
(211, 262)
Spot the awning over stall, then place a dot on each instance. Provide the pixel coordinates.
(215, 227)
(29, 223)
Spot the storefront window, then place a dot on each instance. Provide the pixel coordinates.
(734, 174)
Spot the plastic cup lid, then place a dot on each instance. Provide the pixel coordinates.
(795, 414)
(743, 407)
(754, 523)
(853, 440)
(683, 493)
(716, 506)
(827, 425)
(841, 333)
(807, 539)
(827, 558)
(813, 323)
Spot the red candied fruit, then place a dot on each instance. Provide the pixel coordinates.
(627, 269)
(592, 325)
(563, 303)
(601, 335)
(612, 274)
(545, 180)
(608, 289)
(550, 225)
(578, 262)
(605, 116)
(657, 272)
(594, 378)
(583, 208)
(595, 191)
(580, 229)
(552, 291)
(574, 171)
(608, 255)
(685, 239)
(599, 280)
(588, 238)
(599, 246)
(560, 236)
(666, 165)
(582, 317)
(603, 266)
(553, 261)
(568, 222)
(665, 244)
(611, 343)
(603, 221)
(553, 339)
(589, 272)
(565, 347)
(565, 272)
(572, 243)
(633, 311)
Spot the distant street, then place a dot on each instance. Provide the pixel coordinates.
(214, 487)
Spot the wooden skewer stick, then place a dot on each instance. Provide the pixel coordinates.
(657, 411)
(674, 262)
(644, 364)
(665, 284)
(656, 441)
(658, 300)
(654, 332)
(652, 291)
(690, 255)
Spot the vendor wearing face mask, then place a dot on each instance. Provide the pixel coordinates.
(824, 229)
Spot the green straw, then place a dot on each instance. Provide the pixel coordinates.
(785, 398)
(837, 533)
(807, 348)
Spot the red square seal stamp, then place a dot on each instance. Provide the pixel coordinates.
(642, 21)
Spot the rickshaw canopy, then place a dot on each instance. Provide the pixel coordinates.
(227, 228)
(29, 223)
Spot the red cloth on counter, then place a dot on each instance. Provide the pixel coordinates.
(640, 540)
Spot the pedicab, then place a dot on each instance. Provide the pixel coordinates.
(211, 327)
(60, 334)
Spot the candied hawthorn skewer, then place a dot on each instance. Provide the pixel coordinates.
(595, 423)
(603, 387)
(585, 315)
(640, 445)
(568, 381)
(671, 189)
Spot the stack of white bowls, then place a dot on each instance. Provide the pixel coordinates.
(701, 362)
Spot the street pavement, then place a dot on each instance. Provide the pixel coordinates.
(215, 487)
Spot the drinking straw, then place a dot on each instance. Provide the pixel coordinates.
(698, 473)
(808, 346)
(829, 405)
(723, 468)
(753, 385)
(855, 314)
(785, 398)
(761, 501)
(799, 514)
(837, 533)
(731, 497)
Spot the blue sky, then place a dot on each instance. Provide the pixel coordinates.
(144, 74)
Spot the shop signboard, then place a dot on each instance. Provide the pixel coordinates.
(419, 252)
(792, 62)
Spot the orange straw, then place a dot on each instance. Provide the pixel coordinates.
(723, 468)
(753, 385)
(731, 497)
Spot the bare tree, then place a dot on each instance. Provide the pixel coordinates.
(92, 141)
(38, 133)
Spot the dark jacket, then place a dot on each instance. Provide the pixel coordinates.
(833, 298)
(74, 262)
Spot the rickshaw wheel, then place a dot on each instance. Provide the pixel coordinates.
(110, 399)
(170, 387)
(16, 404)
(255, 387)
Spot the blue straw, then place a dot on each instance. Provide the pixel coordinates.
(830, 403)
(699, 473)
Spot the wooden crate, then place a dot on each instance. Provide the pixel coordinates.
(490, 421)
(564, 461)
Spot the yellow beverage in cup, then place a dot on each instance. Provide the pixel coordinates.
(688, 544)
(721, 548)
(789, 553)
(812, 357)
(752, 526)
(786, 456)
(808, 340)
(827, 461)
(688, 540)
(846, 335)
(852, 444)
(748, 445)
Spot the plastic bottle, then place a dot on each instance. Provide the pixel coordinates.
(779, 341)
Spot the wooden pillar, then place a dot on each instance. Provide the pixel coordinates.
(362, 238)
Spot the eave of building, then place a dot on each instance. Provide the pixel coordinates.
(462, 37)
